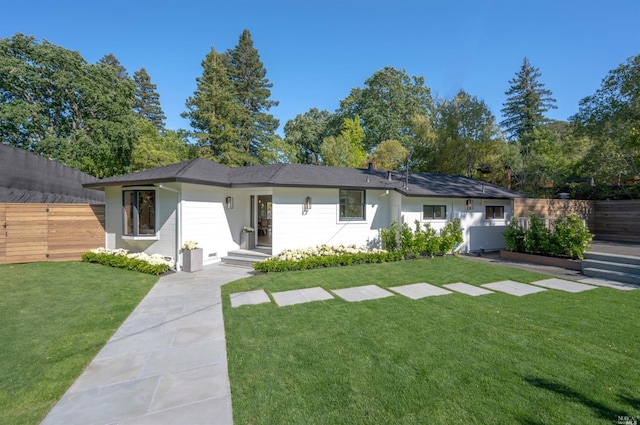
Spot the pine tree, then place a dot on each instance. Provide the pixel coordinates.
(248, 76)
(214, 113)
(147, 100)
(527, 101)
(112, 61)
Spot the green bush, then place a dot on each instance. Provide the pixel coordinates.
(278, 265)
(124, 262)
(423, 241)
(569, 238)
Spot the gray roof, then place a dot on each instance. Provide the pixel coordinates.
(29, 178)
(203, 171)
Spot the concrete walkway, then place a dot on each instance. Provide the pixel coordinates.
(166, 364)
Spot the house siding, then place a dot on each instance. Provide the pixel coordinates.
(294, 228)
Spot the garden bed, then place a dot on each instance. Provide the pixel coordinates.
(544, 260)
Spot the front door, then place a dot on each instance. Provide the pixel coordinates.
(264, 220)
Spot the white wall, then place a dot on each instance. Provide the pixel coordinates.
(206, 220)
(292, 228)
(165, 241)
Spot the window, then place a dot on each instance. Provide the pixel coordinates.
(352, 205)
(434, 212)
(494, 211)
(139, 212)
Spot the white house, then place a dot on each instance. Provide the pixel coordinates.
(290, 206)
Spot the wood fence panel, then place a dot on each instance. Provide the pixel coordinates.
(26, 233)
(617, 220)
(73, 230)
(555, 208)
(3, 235)
(49, 232)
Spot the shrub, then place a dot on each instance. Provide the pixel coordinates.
(120, 258)
(324, 256)
(424, 241)
(569, 238)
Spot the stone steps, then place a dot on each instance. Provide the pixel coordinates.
(245, 258)
(616, 267)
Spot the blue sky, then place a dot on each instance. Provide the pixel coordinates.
(315, 52)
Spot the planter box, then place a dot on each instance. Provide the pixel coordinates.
(565, 263)
(247, 240)
(192, 260)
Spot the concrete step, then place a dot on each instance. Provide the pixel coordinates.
(244, 258)
(610, 265)
(617, 276)
(612, 258)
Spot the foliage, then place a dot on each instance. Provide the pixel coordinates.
(252, 91)
(611, 116)
(189, 245)
(386, 106)
(154, 148)
(568, 237)
(324, 256)
(527, 101)
(147, 99)
(344, 150)
(214, 113)
(469, 139)
(53, 103)
(423, 240)
(305, 134)
(228, 110)
(138, 262)
(389, 155)
(113, 62)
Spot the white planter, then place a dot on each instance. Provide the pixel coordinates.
(192, 260)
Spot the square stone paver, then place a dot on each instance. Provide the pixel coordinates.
(563, 285)
(249, 298)
(609, 284)
(362, 293)
(514, 288)
(299, 296)
(419, 290)
(465, 288)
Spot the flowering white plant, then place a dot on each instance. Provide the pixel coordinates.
(247, 229)
(154, 259)
(324, 250)
(189, 245)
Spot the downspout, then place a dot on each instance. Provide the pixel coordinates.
(178, 262)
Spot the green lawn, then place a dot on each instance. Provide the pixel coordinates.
(546, 358)
(54, 318)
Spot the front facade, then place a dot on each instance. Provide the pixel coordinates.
(290, 206)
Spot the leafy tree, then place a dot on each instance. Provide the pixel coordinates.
(154, 148)
(113, 62)
(252, 91)
(389, 155)
(386, 105)
(305, 133)
(611, 117)
(344, 150)
(468, 137)
(55, 104)
(147, 99)
(215, 113)
(527, 101)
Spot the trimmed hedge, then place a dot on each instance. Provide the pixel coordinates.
(277, 265)
(123, 262)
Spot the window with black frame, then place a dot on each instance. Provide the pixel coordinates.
(352, 205)
(139, 208)
(434, 212)
(494, 211)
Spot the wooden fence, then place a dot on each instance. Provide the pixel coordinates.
(49, 232)
(607, 220)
